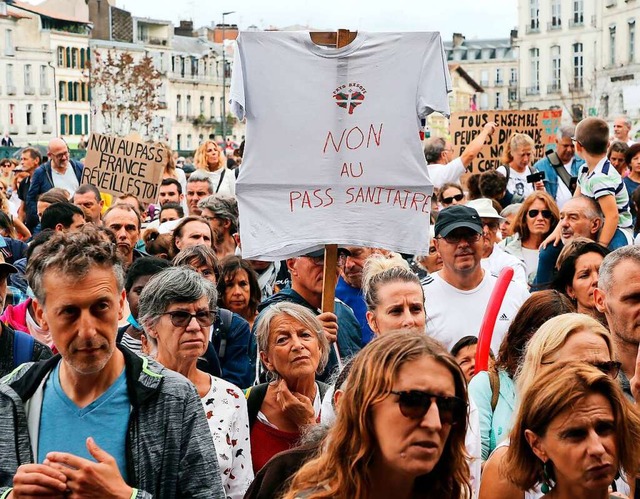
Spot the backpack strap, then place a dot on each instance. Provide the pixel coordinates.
(226, 316)
(224, 170)
(22, 348)
(255, 396)
(494, 382)
(562, 172)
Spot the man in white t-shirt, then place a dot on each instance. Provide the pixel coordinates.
(457, 297)
(494, 258)
(442, 166)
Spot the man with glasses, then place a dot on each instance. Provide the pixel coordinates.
(341, 327)
(457, 297)
(60, 171)
(443, 167)
(98, 420)
(558, 184)
(494, 258)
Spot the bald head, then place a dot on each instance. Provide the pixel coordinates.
(58, 153)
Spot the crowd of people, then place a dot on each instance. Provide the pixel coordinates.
(142, 356)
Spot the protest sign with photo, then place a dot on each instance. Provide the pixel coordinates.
(541, 126)
(119, 166)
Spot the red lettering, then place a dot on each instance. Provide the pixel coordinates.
(328, 194)
(336, 147)
(306, 199)
(349, 193)
(361, 138)
(292, 199)
(376, 138)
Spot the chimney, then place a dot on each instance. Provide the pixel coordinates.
(458, 39)
(514, 36)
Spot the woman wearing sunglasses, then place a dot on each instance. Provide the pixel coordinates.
(574, 434)
(176, 310)
(400, 429)
(565, 338)
(536, 219)
(451, 194)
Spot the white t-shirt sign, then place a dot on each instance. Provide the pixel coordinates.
(333, 153)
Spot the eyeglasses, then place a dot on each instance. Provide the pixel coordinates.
(414, 404)
(545, 213)
(449, 200)
(180, 318)
(455, 239)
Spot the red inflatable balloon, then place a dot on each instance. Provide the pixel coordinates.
(489, 319)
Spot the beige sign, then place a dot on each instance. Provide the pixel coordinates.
(119, 166)
(541, 126)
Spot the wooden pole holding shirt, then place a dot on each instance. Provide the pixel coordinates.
(329, 277)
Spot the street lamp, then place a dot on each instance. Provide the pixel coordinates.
(224, 80)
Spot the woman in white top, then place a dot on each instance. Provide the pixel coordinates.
(176, 310)
(210, 158)
(535, 220)
(517, 158)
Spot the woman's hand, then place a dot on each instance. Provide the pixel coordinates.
(539, 185)
(296, 407)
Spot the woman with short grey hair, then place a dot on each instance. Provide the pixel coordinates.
(293, 348)
(177, 308)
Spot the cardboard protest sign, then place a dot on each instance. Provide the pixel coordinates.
(541, 126)
(337, 157)
(120, 166)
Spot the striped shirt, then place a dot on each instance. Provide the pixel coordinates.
(604, 180)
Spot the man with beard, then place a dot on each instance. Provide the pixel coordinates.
(222, 214)
(457, 296)
(125, 222)
(349, 287)
(85, 422)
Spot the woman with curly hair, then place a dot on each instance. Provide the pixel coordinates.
(210, 158)
(400, 429)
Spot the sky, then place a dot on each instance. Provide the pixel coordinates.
(472, 18)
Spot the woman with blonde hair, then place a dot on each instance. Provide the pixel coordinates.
(400, 429)
(517, 158)
(393, 295)
(171, 171)
(575, 433)
(565, 338)
(210, 158)
(535, 220)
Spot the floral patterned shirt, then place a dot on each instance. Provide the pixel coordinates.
(226, 409)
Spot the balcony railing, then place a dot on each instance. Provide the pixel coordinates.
(554, 88)
(532, 91)
(532, 28)
(513, 84)
(576, 87)
(554, 25)
(29, 90)
(573, 23)
(45, 91)
(499, 82)
(11, 90)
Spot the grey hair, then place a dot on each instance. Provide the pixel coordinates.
(201, 176)
(303, 315)
(512, 209)
(73, 255)
(593, 209)
(612, 260)
(628, 123)
(380, 270)
(225, 207)
(172, 285)
(566, 132)
(433, 149)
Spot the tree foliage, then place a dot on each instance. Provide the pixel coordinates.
(125, 92)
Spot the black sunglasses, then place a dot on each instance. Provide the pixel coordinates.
(449, 200)
(545, 213)
(180, 318)
(414, 404)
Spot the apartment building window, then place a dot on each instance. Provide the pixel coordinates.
(45, 114)
(43, 78)
(60, 57)
(29, 114)
(188, 110)
(9, 49)
(604, 105)
(555, 13)
(612, 45)
(578, 65)
(179, 142)
(27, 76)
(179, 105)
(534, 10)
(10, 75)
(202, 105)
(74, 58)
(632, 40)
(499, 77)
(12, 114)
(484, 101)
(534, 55)
(513, 79)
(189, 141)
(578, 11)
(62, 90)
(621, 103)
(498, 100)
(555, 67)
(212, 106)
(484, 78)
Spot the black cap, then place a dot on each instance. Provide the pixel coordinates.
(455, 217)
(320, 252)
